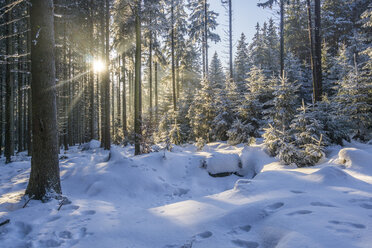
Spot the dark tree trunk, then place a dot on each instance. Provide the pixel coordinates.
(173, 60)
(106, 79)
(29, 94)
(124, 99)
(230, 40)
(137, 86)
(9, 92)
(311, 39)
(318, 51)
(20, 97)
(91, 74)
(156, 93)
(281, 38)
(150, 76)
(44, 177)
(206, 36)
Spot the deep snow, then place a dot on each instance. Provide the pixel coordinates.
(170, 200)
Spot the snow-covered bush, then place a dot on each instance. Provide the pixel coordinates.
(241, 133)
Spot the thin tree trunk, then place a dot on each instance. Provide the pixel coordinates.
(107, 145)
(156, 93)
(137, 86)
(281, 38)
(20, 97)
(44, 177)
(318, 50)
(102, 78)
(29, 94)
(206, 36)
(124, 100)
(173, 60)
(91, 74)
(310, 27)
(230, 40)
(150, 76)
(9, 93)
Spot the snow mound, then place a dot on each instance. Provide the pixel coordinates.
(331, 175)
(354, 158)
(221, 163)
(93, 144)
(253, 160)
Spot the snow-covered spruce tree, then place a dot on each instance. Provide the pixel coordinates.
(309, 137)
(224, 114)
(284, 102)
(277, 136)
(241, 63)
(202, 112)
(216, 74)
(241, 133)
(354, 97)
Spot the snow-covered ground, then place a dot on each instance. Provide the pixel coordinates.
(171, 201)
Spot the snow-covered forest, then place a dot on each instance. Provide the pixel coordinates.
(121, 126)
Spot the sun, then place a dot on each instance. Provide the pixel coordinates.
(98, 66)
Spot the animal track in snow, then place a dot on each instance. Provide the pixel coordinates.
(244, 243)
(89, 212)
(297, 192)
(273, 207)
(205, 235)
(245, 228)
(300, 212)
(321, 204)
(355, 225)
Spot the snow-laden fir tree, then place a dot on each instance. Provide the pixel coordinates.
(202, 112)
(216, 74)
(241, 62)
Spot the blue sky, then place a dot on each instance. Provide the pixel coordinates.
(245, 16)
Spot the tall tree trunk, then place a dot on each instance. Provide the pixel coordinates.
(230, 40)
(91, 73)
(311, 39)
(150, 76)
(44, 177)
(29, 93)
(102, 77)
(9, 92)
(281, 38)
(206, 36)
(118, 96)
(318, 50)
(107, 145)
(20, 97)
(173, 60)
(124, 100)
(156, 93)
(65, 93)
(137, 86)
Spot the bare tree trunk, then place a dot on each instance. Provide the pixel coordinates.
(281, 38)
(156, 93)
(9, 92)
(91, 74)
(137, 86)
(311, 39)
(101, 77)
(318, 50)
(173, 60)
(29, 94)
(150, 76)
(44, 177)
(124, 100)
(230, 40)
(206, 36)
(20, 97)
(106, 80)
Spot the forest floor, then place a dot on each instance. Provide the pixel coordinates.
(168, 200)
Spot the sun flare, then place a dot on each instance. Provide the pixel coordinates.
(98, 66)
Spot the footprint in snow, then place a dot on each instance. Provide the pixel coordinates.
(355, 225)
(245, 228)
(244, 243)
(321, 204)
(50, 243)
(366, 205)
(339, 230)
(300, 212)
(204, 235)
(273, 207)
(53, 218)
(297, 192)
(65, 235)
(89, 212)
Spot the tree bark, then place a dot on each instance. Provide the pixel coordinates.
(230, 40)
(206, 36)
(173, 60)
(281, 38)
(44, 177)
(107, 144)
(311, 40)
(137, 86)
(9, 93)
(124, 99)
(318, 50)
